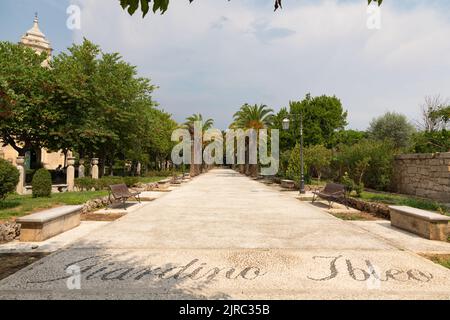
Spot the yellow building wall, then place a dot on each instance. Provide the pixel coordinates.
(50, 160)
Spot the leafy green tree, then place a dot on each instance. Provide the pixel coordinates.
(9, 178)
(317, 160)
(27, 112)
(162, 5)
(393, 127)
(323, 117)
(106, 110)
(158, 132)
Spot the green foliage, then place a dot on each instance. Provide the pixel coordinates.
(253, 117)
(317, 159)
(285, 157)
(88, 184)
(190, 122)
(130, 181)
(348, 182)
(349, 137)
(9, 178)
(322, 117)
(155, 173)
(393, 127)
(42, 184)
(26, 107)
(294, 168)
(368, 162)
(431, 142)
(162, 5)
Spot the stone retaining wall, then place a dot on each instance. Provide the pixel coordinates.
(423, 175)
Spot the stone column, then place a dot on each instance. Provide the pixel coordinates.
(81, 169)
(128, 167)
(20, 161)
(95, 168)
(70, 174)
(138, 169)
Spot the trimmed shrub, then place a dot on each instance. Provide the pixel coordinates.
(85, 184)
(156, 173)
(130, 181)
(9, 178)
(88, 184)
(42, 184)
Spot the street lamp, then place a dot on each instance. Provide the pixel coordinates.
(286, 125)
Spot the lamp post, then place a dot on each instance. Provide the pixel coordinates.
(286, 125)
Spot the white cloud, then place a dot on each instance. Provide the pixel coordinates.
(213, 56)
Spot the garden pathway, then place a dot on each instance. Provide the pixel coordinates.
(224, 235)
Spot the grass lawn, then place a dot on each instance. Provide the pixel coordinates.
(17, 206)
(151, 179)
(402, 200)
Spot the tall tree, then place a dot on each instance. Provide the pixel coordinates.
(252, 117)
(207, 124)
(26, 110)
(105, 108)
(323, 117)
(394, 127)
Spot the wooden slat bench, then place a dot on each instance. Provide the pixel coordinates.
(429, 225)
(49, 223)
(333, 192)
(120, 192)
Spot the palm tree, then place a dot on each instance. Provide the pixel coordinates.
(252, 117)
(190, 121)
(190, 125)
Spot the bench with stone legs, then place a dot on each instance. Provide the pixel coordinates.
(429, 225)
(49, 223)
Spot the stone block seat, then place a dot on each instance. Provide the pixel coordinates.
(164, 184)
(429, 225)
(46, 224)
(288, 184)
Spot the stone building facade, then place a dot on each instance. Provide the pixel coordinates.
(36, 40)
(424, 175)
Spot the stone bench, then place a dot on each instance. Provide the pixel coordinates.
(288, 184)
(429, 225)
(49, 223)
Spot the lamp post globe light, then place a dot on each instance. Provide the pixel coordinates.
(286, 125)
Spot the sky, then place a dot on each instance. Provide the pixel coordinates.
(212, 56)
